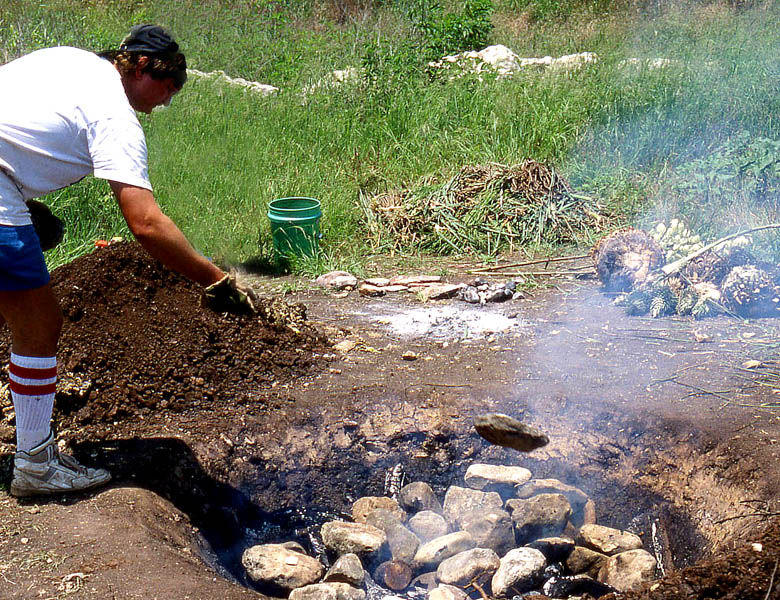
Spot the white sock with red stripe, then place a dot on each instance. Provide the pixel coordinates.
(33, 381)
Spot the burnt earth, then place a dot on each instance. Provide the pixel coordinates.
(136, 339)
(208, 461)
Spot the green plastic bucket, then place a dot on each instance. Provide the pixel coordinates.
(295, 226)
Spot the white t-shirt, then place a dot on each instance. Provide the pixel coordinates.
(64, 115)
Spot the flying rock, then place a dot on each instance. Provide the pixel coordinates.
(503, 430)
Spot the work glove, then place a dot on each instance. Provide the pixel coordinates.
(227, 295)
(50, 229)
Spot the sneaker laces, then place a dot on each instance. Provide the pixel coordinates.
(68, 461)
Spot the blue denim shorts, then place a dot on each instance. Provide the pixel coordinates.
(22, 266)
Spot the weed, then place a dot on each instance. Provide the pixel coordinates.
(624, 131)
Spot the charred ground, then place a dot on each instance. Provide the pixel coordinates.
(210, 422)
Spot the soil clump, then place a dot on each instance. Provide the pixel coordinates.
(136, 339)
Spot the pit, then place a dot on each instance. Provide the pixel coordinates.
(666, 433)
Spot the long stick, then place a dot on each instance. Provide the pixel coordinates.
(533, 273)
(771, 581)
(537, 261)
(675, 266)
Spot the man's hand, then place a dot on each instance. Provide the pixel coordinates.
(227, 295)
(50, 229)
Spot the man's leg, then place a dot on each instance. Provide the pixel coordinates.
(35, 320)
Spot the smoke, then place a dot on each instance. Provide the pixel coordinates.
(688, 126)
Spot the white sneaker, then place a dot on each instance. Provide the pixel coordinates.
(43, 470)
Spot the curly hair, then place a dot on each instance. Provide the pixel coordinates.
(158, 67)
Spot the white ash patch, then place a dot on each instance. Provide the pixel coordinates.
(449, 322)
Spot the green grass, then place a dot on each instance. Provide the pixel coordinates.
(218, 155)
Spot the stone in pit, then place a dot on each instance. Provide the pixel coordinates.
(607, 540)
(428, 525)
(628, 570)
(585, 560)
(491, 528)
(363, 506)
(430, 555)
(505, 431)
(279, 568)
(328, 591)
(346, 569)
(342, 538)
(418, 496)
(555, 549)
(447, 592)
(459, 500)
(544, 515)
(521, 569)
(402, 542)
(464, 567)
(496, 478)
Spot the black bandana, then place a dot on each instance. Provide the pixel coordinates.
(150, 39)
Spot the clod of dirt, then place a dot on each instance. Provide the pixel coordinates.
(137, 339)
(503, 430)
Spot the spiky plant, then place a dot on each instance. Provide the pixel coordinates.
(687, 301)
(664, 302)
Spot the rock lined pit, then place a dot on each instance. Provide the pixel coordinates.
(307, 437)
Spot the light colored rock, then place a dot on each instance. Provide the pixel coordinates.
(567, 61)
(446, 592)
(378, 281)
(418, 496)
(342, 538)
(520, 570)
(371, 290)
(337, 280)
(328, 591)
(491, 528)
(576, 497)
(439, 291)
(464, 567)
(584, 560)
(334, 79)
(459, 500)
(628, 570)
(262, 89)
(484, 477)
(430, 555)
(501, 58)
(544, 515)
(363, 506)
(428, 525)
(607, 540)
(409, 280)
(277, 566)
(346, 569)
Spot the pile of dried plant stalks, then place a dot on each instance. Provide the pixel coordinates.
(484, 209)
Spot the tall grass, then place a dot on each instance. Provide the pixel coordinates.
(218, 155)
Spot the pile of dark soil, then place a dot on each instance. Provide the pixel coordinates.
(136, 340)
